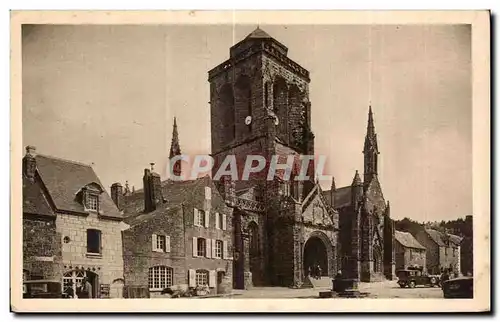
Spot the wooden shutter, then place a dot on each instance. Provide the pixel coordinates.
(195, 247)
(167, 244)
(224, 251)
(195, 217)
(224, 217)
(214, 248)
(217, 221)
(207, 219)
(211, 279)
(154, 242)
(192, 278)
(208, 245)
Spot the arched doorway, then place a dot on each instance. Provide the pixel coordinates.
(315, 254)
(74, 278)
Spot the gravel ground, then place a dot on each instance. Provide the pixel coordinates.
(388, 289)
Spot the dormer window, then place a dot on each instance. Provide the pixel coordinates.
(89, 197)
(92, 202)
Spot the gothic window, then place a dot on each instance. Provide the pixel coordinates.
(226, 101)
(254, 237)
(266, 94)
(280, 105)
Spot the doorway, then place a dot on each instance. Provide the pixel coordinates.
(315, 255)
(73, 279)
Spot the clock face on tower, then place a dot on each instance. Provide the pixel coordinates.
(248, 120)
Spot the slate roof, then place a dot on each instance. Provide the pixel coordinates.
(407, 240)
(439, 238)
(342, 197)
(63, 179)
(34, 200)
(258, 33)
(174, 192)
(139, 218)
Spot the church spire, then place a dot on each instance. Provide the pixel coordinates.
(356, 181)
(370, 150)
(175, 149)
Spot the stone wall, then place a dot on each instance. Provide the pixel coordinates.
(431, 253)
(406, 257)
(41, 247)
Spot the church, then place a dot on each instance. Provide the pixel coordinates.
(259, 105)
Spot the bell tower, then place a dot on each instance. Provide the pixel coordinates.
(259, 100)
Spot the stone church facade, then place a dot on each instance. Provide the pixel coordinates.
(366, 236)
(260, 106)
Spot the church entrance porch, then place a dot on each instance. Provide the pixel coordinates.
(315, 258)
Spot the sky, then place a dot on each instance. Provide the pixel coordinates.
(107, 95)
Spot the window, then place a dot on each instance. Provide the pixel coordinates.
(219, 220)
(446, 251)
(160, 277)
(94, 241)
(454, 252)
(161, 242)
(219, 245)
(92, 202)
(201, 218)
(202, 247)
(201, 277)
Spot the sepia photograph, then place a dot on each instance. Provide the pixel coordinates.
(318, 161)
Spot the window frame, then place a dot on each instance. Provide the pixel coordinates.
(202, 275)
(201, 251)
(99, 241)
(161, 243)
(201, 218)
(220, 220)
(165, 275)
(218, 251)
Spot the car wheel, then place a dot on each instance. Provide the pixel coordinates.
(412, 284)
(402, 285)
(433, 281)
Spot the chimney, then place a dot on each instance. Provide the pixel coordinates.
(117, 195)
(29, 163)
(152, 189)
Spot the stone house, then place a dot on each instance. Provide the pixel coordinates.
(442, 250)
(185, 239)
(41, 241)
(409, 252)
(180, 232)
(86, 240)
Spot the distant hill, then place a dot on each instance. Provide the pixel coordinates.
(456, 227)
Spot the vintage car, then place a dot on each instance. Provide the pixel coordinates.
(459, 288)
(42, 289)
(414, 277)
